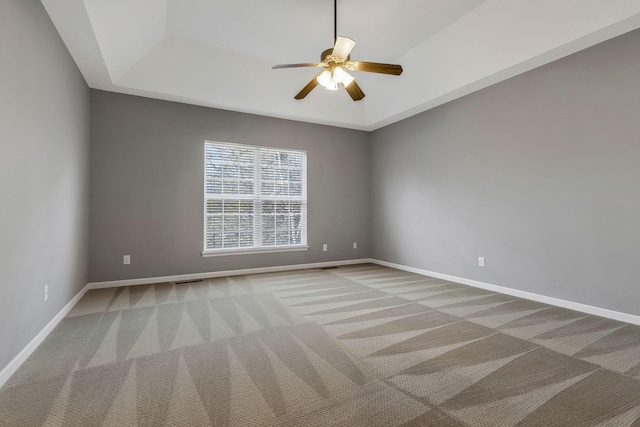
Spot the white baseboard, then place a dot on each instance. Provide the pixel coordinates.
(227, 273)
(17, 361)
(584, 308)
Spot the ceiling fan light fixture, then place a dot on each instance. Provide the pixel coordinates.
(336, 61)
(327, 81)
(324, 78)
(341, 76)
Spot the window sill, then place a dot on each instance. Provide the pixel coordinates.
(248, 251)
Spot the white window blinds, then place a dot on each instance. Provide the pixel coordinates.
(255, 198)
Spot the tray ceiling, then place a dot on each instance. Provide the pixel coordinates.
(219, 54)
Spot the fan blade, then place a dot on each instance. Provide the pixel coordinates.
(308, 88)
(376, 67)
(275, 67)
(343, 47)
(354, 91)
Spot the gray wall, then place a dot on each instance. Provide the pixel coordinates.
(539, 174)
(147, 186)
(44, 160)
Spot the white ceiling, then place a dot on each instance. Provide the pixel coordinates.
(219, 53)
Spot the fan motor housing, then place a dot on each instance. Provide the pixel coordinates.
(326, 53)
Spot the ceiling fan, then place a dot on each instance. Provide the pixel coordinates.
(336, 61)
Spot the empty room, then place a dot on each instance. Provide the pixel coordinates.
(314, 213)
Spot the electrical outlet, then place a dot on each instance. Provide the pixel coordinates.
(126, 259)
(45, 292)
(480, 261)
(325, 247)
(355, 245)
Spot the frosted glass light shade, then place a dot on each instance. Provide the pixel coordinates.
(327, 81)
(324, 78)
(332, 85)
(341, 76)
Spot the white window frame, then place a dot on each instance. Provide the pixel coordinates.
(258, 199)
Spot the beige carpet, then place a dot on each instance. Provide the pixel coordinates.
(355, 346)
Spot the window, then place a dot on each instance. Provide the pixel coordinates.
(255, 199)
